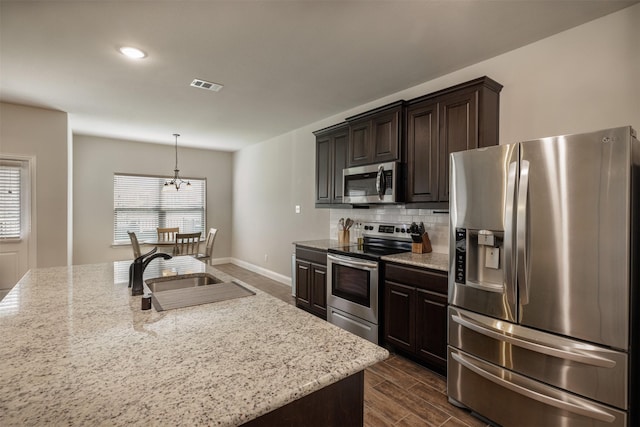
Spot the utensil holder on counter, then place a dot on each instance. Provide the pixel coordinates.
(424, 247)
(343, 236)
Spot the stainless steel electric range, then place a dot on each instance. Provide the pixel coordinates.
(354, 277)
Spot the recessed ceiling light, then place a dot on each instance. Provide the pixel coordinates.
(132, 52)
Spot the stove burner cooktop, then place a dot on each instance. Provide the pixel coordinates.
(366, 251)
(379, 239)
(373, 248)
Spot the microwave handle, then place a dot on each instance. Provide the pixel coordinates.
(380, 182)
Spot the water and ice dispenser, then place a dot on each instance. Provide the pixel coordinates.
(479, 257)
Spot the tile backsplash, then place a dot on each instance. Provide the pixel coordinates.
(436, 222)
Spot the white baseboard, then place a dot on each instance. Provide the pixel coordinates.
(280, 278)
(215, 261)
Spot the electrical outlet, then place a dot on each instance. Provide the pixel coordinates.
(266, 257)
(297, 208)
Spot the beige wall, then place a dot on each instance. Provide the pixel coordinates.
(577, 81)
(42, 133)
(269, 180)
(96, 159)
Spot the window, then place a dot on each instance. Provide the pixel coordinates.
(10, 199)
(140, 205)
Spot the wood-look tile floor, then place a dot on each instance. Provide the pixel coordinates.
(397, 391)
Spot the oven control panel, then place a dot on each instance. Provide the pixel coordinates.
(389, 230)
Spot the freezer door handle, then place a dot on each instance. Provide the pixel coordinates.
(588, 359)
(509, 222)
(581, 408)
(523, 234)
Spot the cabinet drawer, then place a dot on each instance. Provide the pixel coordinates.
(312, 255)
(423, 279)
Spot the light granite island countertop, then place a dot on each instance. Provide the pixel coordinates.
(78, 350)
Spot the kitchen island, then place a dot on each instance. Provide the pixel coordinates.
(78, 350)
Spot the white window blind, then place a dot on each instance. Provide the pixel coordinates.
(10, 200)
(141, 206)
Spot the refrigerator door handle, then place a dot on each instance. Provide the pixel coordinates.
(583, 408)
(523, 234)
(588, 359)
(509, 253)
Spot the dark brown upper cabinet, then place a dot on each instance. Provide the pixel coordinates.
(462, 117)
(422, 152)
(376, 136)
(331, 158)
(420, 133)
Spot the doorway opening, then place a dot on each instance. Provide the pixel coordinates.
(17, 253)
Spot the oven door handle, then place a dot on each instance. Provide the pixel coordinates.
(352, 262)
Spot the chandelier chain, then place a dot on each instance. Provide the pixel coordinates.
(176, 181)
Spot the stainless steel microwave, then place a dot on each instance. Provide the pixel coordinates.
(371, 184)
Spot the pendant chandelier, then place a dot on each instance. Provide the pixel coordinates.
(176, 181)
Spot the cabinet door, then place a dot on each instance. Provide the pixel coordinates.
(385, 137)
(323, 170)
(422, 153)
(303, 284)
(399, 324)
(319, 289)
(431, 327)
(458, 132)
(359, 143)
(340, 147)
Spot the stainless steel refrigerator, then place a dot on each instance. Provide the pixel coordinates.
(544, 281)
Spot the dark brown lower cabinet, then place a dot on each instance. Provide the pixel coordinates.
(431, 329)
(311, 281)
(400, 324)
(338, 404)
(416, 314)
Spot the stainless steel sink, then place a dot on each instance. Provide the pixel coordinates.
(162, 284)
(193, 289)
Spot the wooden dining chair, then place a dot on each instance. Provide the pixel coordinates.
(167, 234)
(187, 244)
(208, 251)
(134, 244)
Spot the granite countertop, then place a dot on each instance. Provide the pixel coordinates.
(78, 350)
(432, 260)
(323, 244)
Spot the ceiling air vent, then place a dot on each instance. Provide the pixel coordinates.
(203, 84)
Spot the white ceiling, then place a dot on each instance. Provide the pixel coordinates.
(283, 64)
